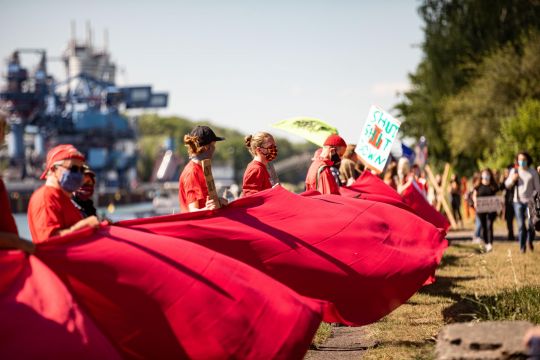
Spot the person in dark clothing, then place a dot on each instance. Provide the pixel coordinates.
(455, 193)
(508, 203)
(487, 187)
(82, 198)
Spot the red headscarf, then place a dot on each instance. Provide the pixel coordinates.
(59, 153)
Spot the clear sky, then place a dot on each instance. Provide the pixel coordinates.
(241, 64)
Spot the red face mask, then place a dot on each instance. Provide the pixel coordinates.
(271, 152)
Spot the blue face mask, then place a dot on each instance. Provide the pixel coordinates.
(522, 163)
(71, 181)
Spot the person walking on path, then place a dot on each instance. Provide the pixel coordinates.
(487, 187)
(464, 190)
(50, 210)
(525, 180)
(323, 175)
(256, 177)
(193, 192)
(455, 199)
(508, 203)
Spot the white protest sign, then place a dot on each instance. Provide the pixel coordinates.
(487, 204)
(376, 139)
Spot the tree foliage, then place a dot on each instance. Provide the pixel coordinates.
(452, 88)
(517, 133)
(504, 80)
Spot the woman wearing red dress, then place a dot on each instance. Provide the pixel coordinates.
(193, 192)
(263, 148)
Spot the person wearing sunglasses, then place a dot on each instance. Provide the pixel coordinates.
(50, 211)
(264, 150)
(9, 234)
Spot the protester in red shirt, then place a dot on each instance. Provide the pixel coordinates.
(263, 148)
(50, 211)
(323, 174)
(193, 192)
(420, 178)
(9, 235)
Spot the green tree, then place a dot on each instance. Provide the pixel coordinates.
(517, 133)
(504, 80)
(458, 35)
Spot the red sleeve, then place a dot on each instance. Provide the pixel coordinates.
(327, 183)
(256, 179)
(7, 223)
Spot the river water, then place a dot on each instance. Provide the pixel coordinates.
(125, 212)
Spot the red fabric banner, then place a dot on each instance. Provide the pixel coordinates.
(369, 184)
(412, 197)
(371, 187)
(38, 317)
(363, 256)
(159, 297)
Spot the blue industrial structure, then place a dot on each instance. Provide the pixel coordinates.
(83, 110)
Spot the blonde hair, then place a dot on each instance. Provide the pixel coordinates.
(192, 144)
(349, 151)
(252, 142)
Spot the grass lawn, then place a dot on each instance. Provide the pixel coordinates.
(471, 285)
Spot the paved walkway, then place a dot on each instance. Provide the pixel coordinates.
(346, 343)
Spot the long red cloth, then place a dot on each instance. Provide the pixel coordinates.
(362, 256)
(412, 197)
(371, 187)
(159, 297)
(39, 318)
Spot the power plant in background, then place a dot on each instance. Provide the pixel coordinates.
(84, 110)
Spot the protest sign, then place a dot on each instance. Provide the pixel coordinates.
(376, 139)
(486, 204)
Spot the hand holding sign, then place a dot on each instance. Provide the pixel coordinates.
(487, 204)
(378, 134)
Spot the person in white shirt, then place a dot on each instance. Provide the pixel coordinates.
(523, 180)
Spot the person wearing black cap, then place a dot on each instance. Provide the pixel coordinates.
(193, 192)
